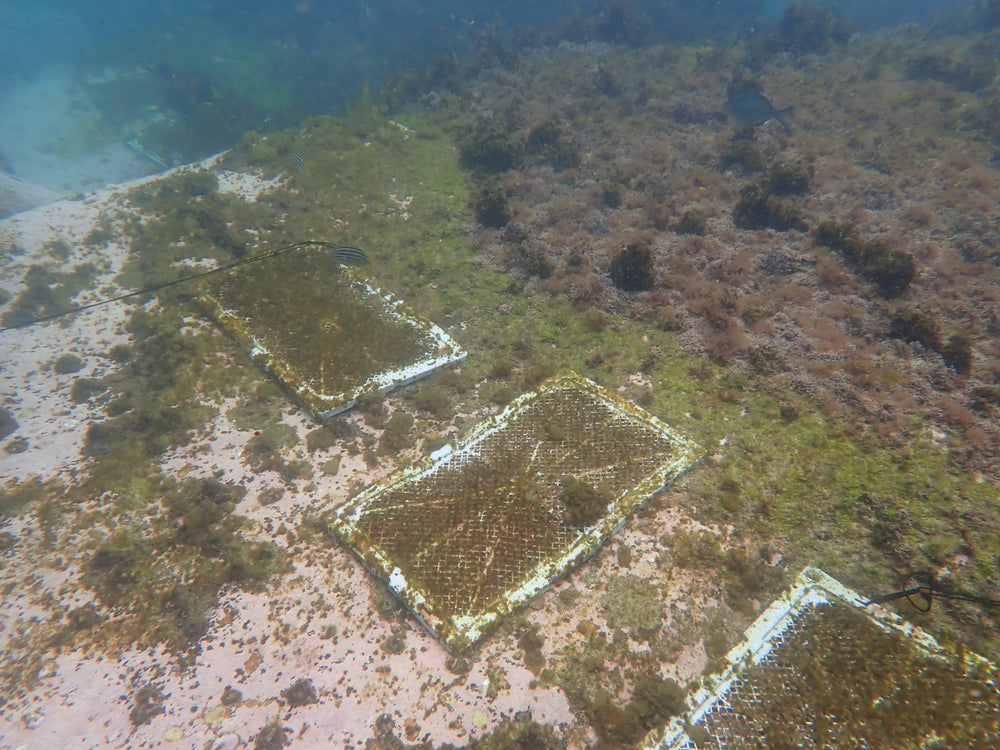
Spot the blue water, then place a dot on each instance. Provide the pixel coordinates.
(175, 81)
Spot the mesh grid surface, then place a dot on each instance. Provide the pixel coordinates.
(834, 678)
(485, 521)
(324, 334)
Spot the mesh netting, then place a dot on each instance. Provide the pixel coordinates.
(324, 334)
(835, 679)
(499, 511)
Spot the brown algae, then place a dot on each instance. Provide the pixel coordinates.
(325, 335)
(476, 532)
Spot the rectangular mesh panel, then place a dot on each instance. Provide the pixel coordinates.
(831, 673)
(324, 334)
(526, 496)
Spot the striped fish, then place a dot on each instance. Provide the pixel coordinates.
(346, 255)
(349, 256)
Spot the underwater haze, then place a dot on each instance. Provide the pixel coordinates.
(101, 92)
(423, 375)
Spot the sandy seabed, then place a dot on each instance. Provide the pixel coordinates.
(924, 172)
(317, 623)
(372, 666)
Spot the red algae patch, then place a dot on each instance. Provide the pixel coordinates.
(765, 247)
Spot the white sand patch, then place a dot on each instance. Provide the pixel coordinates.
(220, 452)
(39, 398)
(52, 427)
(319, 624)
(249, 187)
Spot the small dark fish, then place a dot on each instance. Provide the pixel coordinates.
(750, 108)
(349, 256)
(298, 161)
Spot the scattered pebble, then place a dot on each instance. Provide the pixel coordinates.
(173, 734)
(227, 742)
(218, 713)
(32, 719)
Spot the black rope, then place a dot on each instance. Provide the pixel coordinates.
(346, 254)
(928, 591)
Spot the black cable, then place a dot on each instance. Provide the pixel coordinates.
(928, 591)
(345, 254)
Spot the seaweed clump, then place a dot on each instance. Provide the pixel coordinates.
(584, 503)
(487, 147)
(967, 73)
(66, 364)
(984, 397)
(272, 736)
(758, 208)
(191, 210)
(552, 144)
(152, 405)
(433, 400)
(530, 642)
(912, 325)
(302, 692)
(692, 221)
(329, 434)
(880, 261)
(488, 201)
(743, 154)
(632, 268)
(789, 178)
(84, 389)
(915, 326)
(14, 497)
(396, 436)
(166, 581)
(47, 294)
(957, 353)
(8, 425)
(146, 703)
(519, 733)
(654, 701)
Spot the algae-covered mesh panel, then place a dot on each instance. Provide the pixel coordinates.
(829, 673)
(323, 333)
(477, 531)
